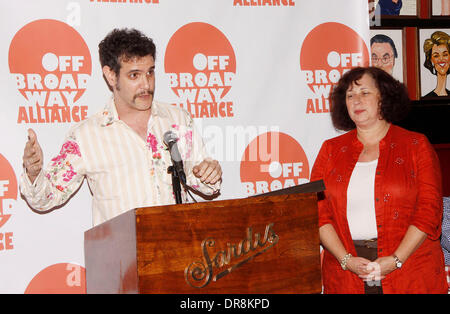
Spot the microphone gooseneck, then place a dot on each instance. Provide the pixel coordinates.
(170, 139)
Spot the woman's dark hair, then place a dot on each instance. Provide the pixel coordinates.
(122, 45)
(394, 97)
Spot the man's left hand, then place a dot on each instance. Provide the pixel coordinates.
(209, 171)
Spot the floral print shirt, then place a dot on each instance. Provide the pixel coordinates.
(123, 171)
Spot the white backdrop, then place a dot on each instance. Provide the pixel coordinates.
(268, 56)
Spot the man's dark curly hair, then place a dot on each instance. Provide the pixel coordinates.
(394, 97)
(122, 45)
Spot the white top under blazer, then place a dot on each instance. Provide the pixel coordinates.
(360, 201)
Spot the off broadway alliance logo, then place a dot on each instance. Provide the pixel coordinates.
(328, 51)
(273, 161)
(201, 65)
(51, 66)
(8, 197)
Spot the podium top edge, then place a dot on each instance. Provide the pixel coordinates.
(302, 191)
(310, 187)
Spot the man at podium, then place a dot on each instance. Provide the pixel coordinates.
(121, 149)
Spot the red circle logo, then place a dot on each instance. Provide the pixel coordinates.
(64, 278)
(8, 190)
(273, 161)
(201, 65)
(327, 52)
(51, 66)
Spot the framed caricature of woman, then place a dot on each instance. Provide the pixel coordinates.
(434, 51)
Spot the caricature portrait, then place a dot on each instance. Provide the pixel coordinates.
(390, 7)
(386, 51)
(437, 62)
(396, 7)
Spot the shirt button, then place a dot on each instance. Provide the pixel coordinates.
(395, 215)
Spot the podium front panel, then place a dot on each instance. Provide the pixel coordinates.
(110, 256)
(258, 245)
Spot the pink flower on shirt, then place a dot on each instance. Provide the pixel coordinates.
(188, 136)
(69, 174)
(69, 147)
(62, 171)
(188, 143)
(152, 142)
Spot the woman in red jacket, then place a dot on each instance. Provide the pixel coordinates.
(380, 219)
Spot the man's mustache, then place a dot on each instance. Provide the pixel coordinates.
(145, 93)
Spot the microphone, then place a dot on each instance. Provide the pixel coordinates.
(170, 139)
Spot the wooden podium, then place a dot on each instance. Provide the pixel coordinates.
(263, 244)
